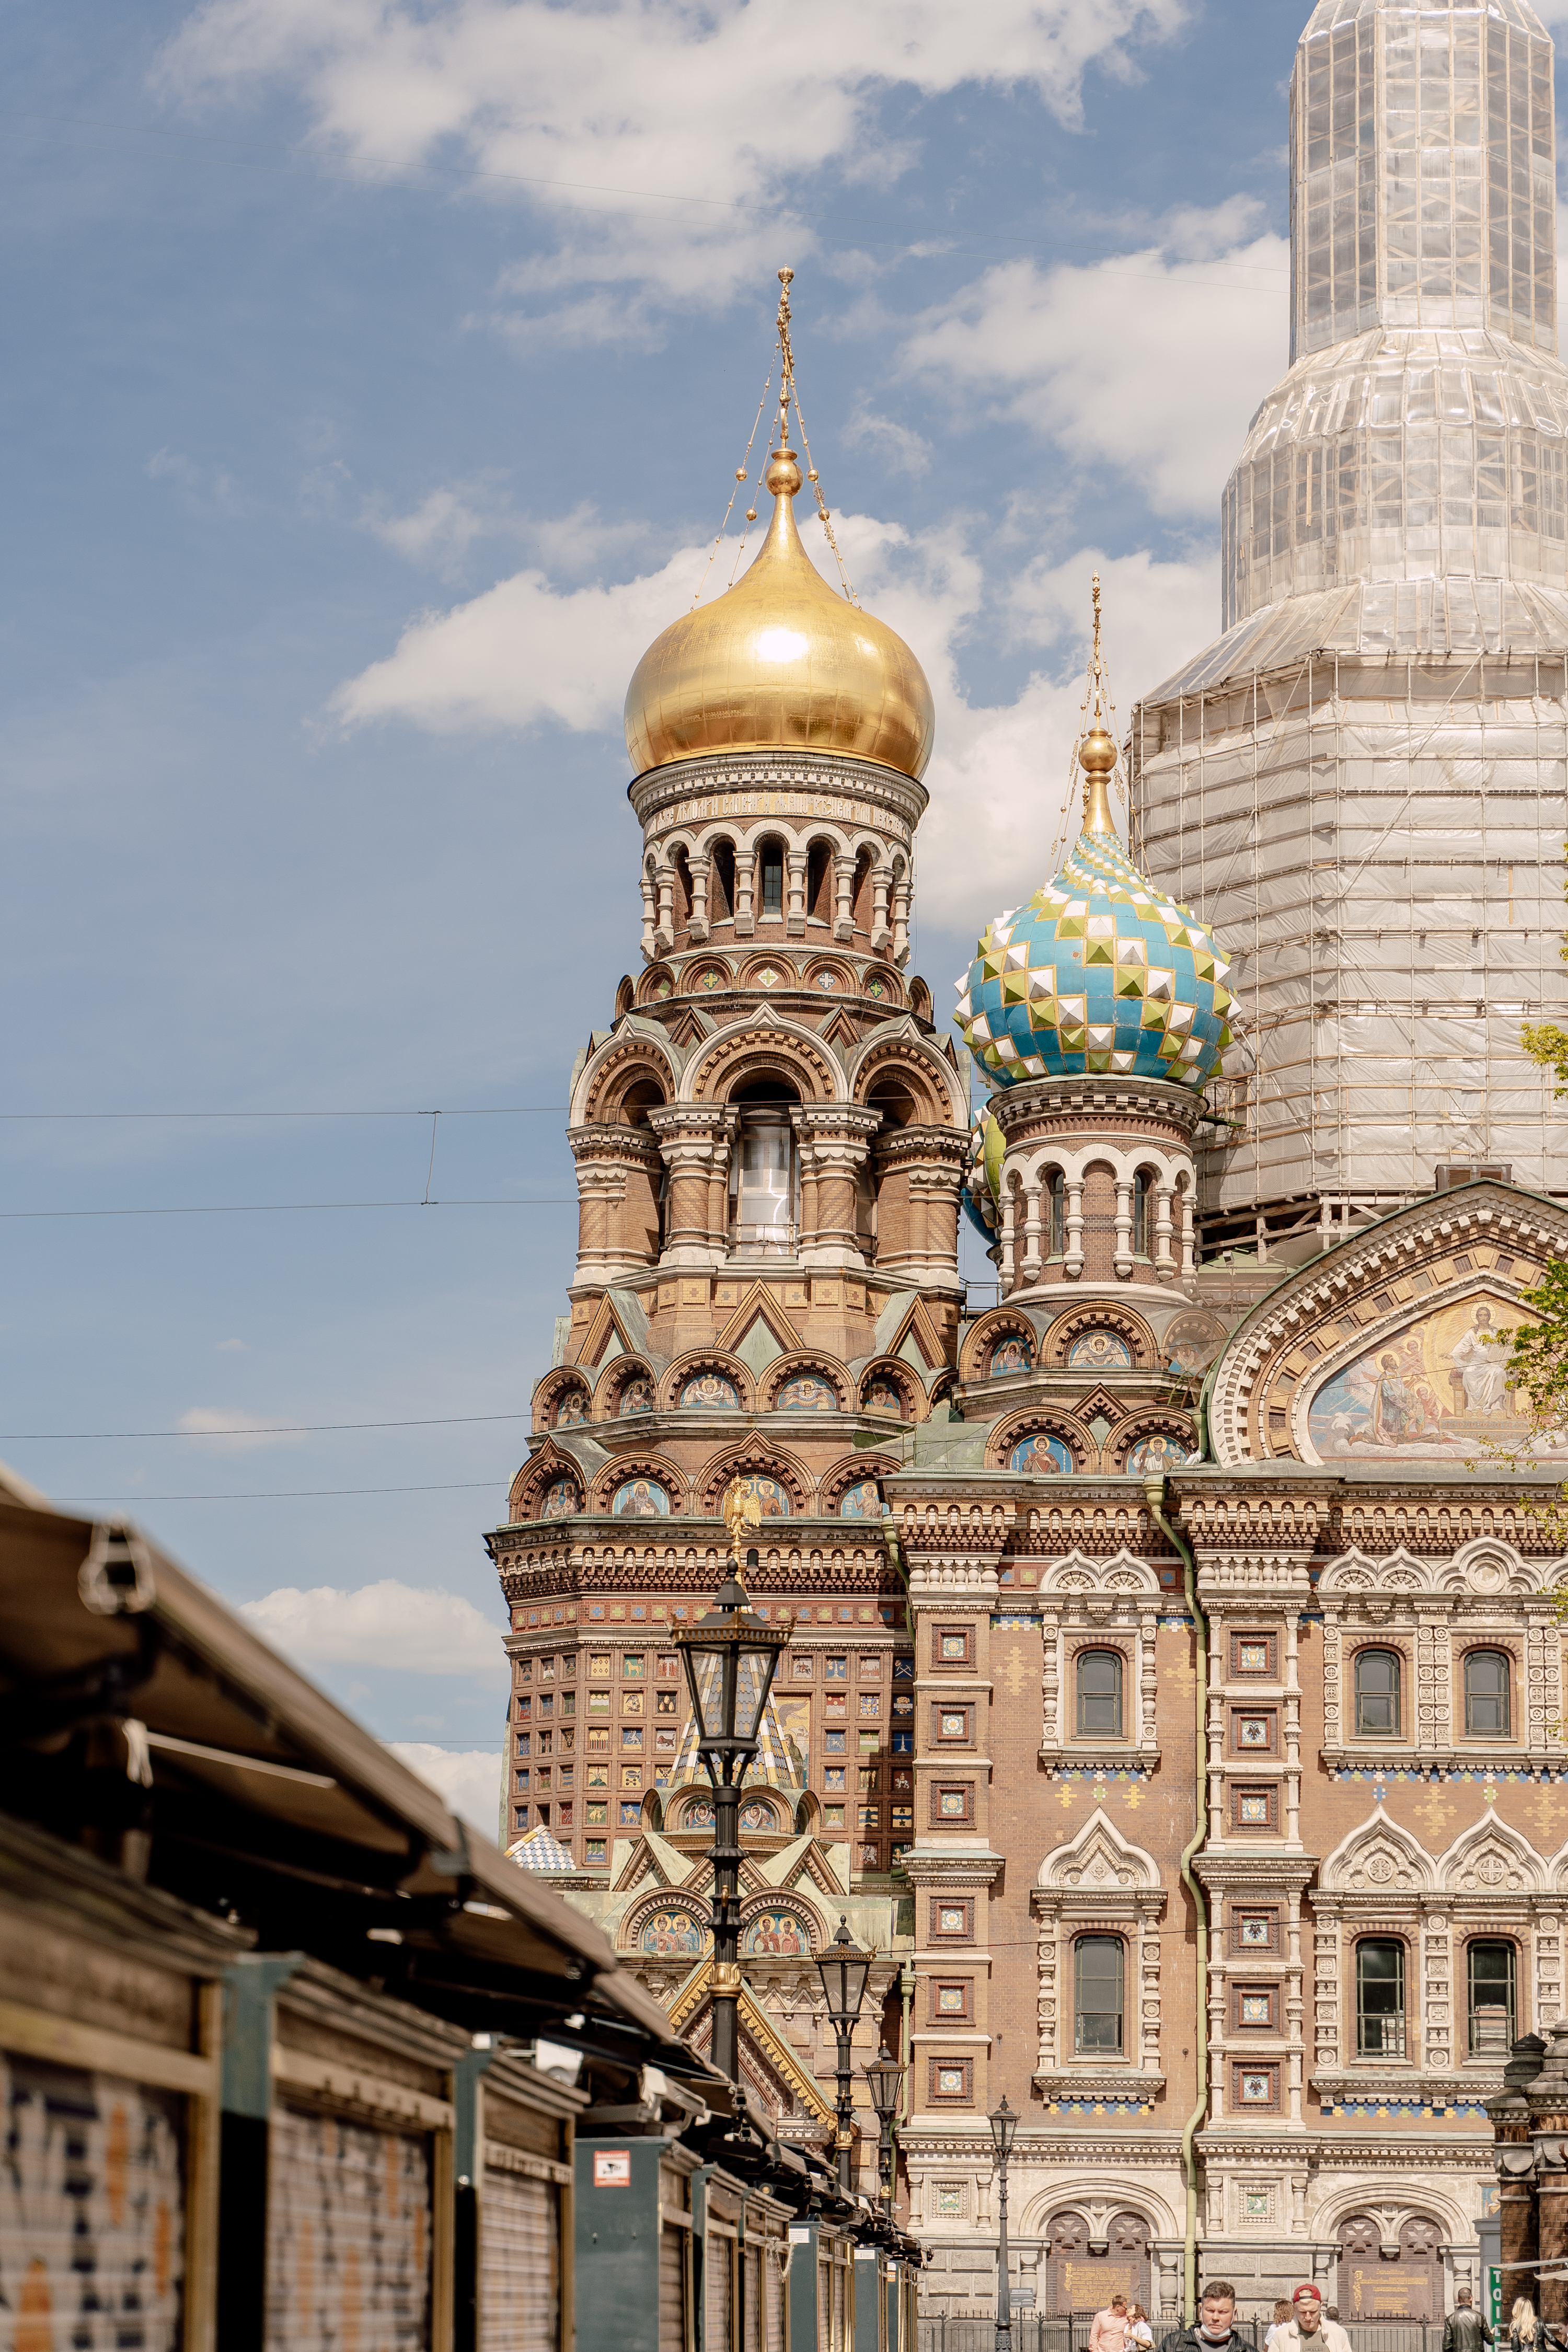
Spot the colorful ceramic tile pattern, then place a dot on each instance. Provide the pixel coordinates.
(1098, 972)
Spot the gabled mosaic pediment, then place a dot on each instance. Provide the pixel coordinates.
(1384, 1350)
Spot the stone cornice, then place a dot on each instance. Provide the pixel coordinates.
(1092, 1102)
(1379, 2085)
(1098, 2083)
(928, 1867)
(790, 784)
(1255, 1871)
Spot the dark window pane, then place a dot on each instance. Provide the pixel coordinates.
(1486, 1692)
(1100, 1692)
(1490, 1968)
(1097, 2004)
(1377, 1692)
(1380, 1998)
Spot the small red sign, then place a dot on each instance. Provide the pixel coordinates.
(612, 2167)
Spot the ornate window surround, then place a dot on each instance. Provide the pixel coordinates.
(1107, 1604)
(1435, 1610)
(1378, 1879)
(1099, 1884)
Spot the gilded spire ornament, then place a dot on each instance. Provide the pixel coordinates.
(780, 661)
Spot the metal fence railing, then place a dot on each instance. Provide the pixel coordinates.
(1036, 2331)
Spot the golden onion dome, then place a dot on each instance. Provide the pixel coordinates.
(780, 662)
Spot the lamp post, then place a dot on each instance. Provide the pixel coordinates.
(1004, 2123)
(886, 2077)
(844, 1968)
(730, 1657)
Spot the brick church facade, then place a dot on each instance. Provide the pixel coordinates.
(1173, 1694)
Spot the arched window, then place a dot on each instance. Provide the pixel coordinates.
(1490, 1989)
(1140, 1215)
(1096, 1996)
(1376, 1695)
(1100, 1692)
(1486, 1694)
(1056, 1210)
(764, 1177)
(1380, 1998)
(722, 887)
(820, 882)
(772, 862)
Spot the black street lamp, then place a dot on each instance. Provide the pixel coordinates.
(844, 1968)
(886, 2077)
(1004, 2123)
(730, 1657)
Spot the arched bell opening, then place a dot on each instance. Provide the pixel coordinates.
(764, 1173)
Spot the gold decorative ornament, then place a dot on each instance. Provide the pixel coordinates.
(780, 661)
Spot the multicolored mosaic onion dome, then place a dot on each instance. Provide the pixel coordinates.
(1100, 970)
(981, 1191)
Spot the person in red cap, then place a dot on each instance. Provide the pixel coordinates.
(1309, 2330)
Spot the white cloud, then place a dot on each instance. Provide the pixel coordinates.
(204, 490)
(1151, 361)
(440, 529)
(897, 444)
(523, 652)
(1000, 777)
(470, 1784)
(401, 1627)
(231, 1347)
(656, 132)
(232, 1432)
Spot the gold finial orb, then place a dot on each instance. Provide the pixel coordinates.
(782, 477)
(1097, 752)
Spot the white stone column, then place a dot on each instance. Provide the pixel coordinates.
(745, 894)
(1031, 1266)
(881, 935)
(1008, 1276)
(795, 898)
(702, 870)
(1164, 1262)
(1124, 1226)
(1072, 1257)
(664, 931)
(1188, 1253)
(844, 896)
(902, 922)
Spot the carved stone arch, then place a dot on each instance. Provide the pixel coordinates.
(786, 1369)
(891, 1372)
(984, 1334)
(813, 1933)
(899, 1054)
(658, 982)
(549, 1467)
(625, 994)
(626, 1470)
(1099, 1858)
(1378, 1857)
(1491, 1857)
(1176, 1428)
(1015, 1427)
(566, 1381)
(1487, 1567)
(693, 1364)
(854, 1472)
(1355, 1572)
(754, 1458)
(762, 1046)
(1075, 1572)
(1398, 2194)
(618, 1375)
(1107, 1314)
(640, 1915)
(629, 1061)
(1090, 2201)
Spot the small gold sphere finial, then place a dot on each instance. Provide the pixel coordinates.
(1096, 745)
(782, 477)
(787, 277)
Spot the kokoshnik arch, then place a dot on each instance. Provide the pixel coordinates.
(1172, 1687)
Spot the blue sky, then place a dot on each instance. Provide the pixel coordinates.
(374, 379)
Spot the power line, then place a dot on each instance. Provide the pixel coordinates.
(288, 1494)
(503, 1110)
(286, 1208)
(264, 1428)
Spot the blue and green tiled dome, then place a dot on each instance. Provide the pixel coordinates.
(981, 1191)
(1098, 972)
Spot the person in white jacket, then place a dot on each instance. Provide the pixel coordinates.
(1309, 2330)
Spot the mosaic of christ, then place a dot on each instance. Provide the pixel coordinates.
(1431, 1392)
